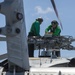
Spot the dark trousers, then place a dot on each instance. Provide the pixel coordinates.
(31, 50)
(57, 53)
(31, 46)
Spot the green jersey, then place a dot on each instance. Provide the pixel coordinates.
(56, 31)
(35, 29)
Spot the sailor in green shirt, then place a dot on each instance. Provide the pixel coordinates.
(34, 31)
(35, 28)
(54, 29)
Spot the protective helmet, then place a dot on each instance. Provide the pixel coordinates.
(54, 22)
(40, 19)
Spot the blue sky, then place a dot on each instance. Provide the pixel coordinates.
(43, 8)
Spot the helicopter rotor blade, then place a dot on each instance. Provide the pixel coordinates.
(55, 9)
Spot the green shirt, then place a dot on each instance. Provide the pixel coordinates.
(56, 31)
(35, 29)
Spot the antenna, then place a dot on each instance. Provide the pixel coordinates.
(55, 9)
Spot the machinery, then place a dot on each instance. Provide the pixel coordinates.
(15, 32)
(17, 61)
(53, 42)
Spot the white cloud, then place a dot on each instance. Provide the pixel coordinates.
(39, 10)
